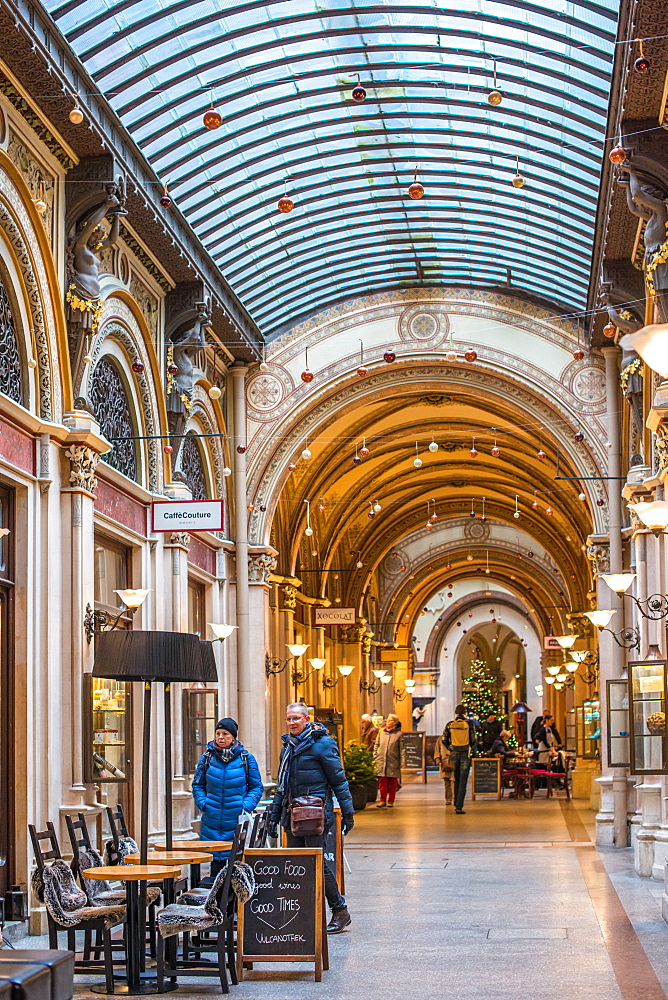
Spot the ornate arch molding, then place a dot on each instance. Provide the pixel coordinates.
(203, 419)
(269, 474)
(122, 328)
(474, 600)
(21, 236)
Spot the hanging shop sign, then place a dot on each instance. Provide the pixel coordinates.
(334, 616)
(398, 655)
(550, 642)
(187, 515)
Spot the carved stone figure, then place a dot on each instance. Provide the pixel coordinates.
(260, 567)
(183, 348)
(91, 237)
(599, 557)
(647, 201)
(83, 462)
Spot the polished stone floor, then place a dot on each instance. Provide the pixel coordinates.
(511, 900)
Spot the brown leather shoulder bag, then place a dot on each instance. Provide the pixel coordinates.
(307, 816)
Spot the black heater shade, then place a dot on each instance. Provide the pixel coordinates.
(154, 656)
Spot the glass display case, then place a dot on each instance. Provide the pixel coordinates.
(108, 736)
(571, 738)
(200, 706)
(588, 729)
(647, 717)
(619, 750)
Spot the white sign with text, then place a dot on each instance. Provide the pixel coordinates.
(187, 515)
(334, 616)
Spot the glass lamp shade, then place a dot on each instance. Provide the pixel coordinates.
(571, 666)
(561, 677)
(317, 662)
(553, 670)
(618, 582)
(538, 689)
(558, 686)
(599, 618)
(296, 648)
(222, 631)
(578, 655)
(132, 598)
(345, 669)
(653, 515)
(379, 673)
(651, 343)
(566, 641)
(409, 683)
(386, 679)
(549, 680)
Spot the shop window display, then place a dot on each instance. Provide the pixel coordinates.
(648, 717)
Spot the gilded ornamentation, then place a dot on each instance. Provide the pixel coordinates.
(83, 462)
(35, 122)
(599, 557)
(289, 597)
(351, 633)
(40, 182)
(260, 566)
(661, 446)
(91, 235)
(366, 642)
(628, 371)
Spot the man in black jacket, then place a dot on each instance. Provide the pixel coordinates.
(490, 732)
(310, 765)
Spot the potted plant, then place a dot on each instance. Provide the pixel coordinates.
(360, 771)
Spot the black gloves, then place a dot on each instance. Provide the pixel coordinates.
(272, 830)
(347, 823)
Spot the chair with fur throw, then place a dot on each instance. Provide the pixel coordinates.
(67, 906)
(216, 918)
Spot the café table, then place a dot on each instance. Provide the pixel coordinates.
(135, 984)
(208, 846)
(192, 858)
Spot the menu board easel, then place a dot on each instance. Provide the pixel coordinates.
(486, 778)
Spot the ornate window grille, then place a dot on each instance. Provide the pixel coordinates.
(110, 404)
(192, 468)
(11, 377)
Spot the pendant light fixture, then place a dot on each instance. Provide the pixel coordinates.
(495, 96)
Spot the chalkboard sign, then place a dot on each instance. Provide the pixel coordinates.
(486, 777)
(284, 921)
(412, 752)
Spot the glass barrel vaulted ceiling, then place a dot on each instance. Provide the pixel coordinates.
(281, 75)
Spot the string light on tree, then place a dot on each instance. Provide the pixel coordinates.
(480, 692)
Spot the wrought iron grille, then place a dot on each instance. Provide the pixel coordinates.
(192, 468)
(11, 380)
(112, 411)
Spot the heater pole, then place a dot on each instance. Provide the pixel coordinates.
(145, 771)
(168, 766)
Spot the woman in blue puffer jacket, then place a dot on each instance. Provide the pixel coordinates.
(227, 782)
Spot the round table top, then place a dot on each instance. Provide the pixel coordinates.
(171, 857)
(132, 873)
(197, 845)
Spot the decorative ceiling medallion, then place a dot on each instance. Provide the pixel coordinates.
(476, 531)
(266, 390)
(588, 385)
(395, 564)
(426, 326)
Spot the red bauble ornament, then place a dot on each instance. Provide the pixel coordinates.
(494, 98)
(357, 460)
(541, 454)
(250, 506)
(496, 451)
(362, 371)
(617, 155)
(358, 94)
(641, 65)
(429, 525)
(434, 517)
(263, 508)
(292, 467)
(470, 356)
(599, 503)
(364, 451)
(168, 449)
(416, 191)
(241, 448)
(389, 356)
(578, 355)
(307, 376)
(285, 204)
(165, 201)
(579, 436)
(138, 367)
(609, 330)
(212, 119)
(473, 452)
(371, 514)
(172, 369)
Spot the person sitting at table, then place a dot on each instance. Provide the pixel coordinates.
(500, 747)
(227, 782)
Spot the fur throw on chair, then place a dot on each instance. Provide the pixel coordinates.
(243, 885)
(98, 891)
(126, 845)
(65, 902)
(177, 917)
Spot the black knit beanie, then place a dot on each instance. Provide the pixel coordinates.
(229, 725)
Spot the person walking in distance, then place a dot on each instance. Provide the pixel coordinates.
(443, 758)
(387, 758)
(460, 739)
(310, 769)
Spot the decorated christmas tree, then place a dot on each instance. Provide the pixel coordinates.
(480, 692)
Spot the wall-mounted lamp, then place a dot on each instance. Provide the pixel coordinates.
(379, 673)
(301, 676)
(566, 641)
(274, 665)
(102, 621)
(409, 683)
(373, 687)
(654, 515)
(345, 669)
(656, 604)
(386, 679)
(221, 631)
(627, 638)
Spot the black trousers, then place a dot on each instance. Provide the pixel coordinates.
(334, 897)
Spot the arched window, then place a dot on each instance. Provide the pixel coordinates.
(11, 372)
(192, 468)
(110, 404)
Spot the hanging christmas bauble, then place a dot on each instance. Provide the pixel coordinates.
(641, 65)
(389, 357)
(358, 93)
(371, 514)
(292, 467)
(541, 454)
(579, 436)
(535, 505)
(364, 451)
(227, 471)
(516, 515)
(307, 376)
(321, 508)
(496, 451)
(483, 517)
(518, 181)
(582, 496)
(449, 593)
(308, 531)
(377, 508)
(433, 447)
(472, 514)
(165, 201)
(172, 369)
(451, 355)
(357, 460)
(241, 448)
(429, 525)
(473, 453)
(416, 191)
(138, 366)
(168, 449)
(434, 517)
(306, 454)
(250, 506)
(417, 462)
(494, 98)
(548, 511)
(609, 330)
(212, 119)
(285, 204)
(599, 503)
(362, 371)
(470, 355)
(41, 206)
(214, 392)
(32, 364)
(617, 155)
(88, 360)
(264, 367)
(76, 115)
(359, 564)
(578, 355)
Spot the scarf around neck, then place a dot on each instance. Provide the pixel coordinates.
(294, 745)
(227, 753)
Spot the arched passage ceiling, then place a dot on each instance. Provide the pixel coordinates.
(282, 73)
